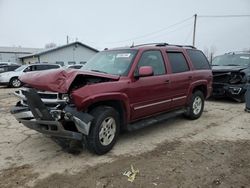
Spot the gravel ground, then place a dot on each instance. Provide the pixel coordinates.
(213, 151)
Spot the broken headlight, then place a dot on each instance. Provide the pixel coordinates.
(65, 97)
(236, 78)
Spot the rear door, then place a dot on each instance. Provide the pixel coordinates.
(150, 95)
(181, 77)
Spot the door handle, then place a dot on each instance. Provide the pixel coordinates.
(167, 81)
(190, 77)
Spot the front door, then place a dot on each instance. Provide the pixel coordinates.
(149, 95)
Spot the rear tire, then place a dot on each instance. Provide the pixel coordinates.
(196, 106)
(104, 130)
(15, 82)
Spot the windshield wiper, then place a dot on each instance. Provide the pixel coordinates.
(94, 70)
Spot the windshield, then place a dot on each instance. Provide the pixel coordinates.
(115, 62)
(21, 68)
(232, 60)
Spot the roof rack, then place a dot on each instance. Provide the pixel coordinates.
(147, 44)
(162, 44)
(178, 45)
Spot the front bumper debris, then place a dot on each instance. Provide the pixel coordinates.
(228, 90)
(63, 121)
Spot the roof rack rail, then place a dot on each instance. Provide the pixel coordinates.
(190, 46)
(155, 43)
(178, 45)
(162, 44)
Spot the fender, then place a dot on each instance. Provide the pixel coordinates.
(195, 84)
(102, 97)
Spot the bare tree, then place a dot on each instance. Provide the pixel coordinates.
(50, 45)
(206, 52)
(212, 52)
(209, 52)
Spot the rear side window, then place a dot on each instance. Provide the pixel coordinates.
(45, 67)
(198, 59)
(178, 62)
(52, 66)
(40, 67)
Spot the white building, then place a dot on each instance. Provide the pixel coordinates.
(13, 54)
(72, 53)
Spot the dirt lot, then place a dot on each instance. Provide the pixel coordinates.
(213, 151)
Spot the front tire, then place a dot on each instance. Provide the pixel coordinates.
(15, 82)
(196, 106)
(104, 130)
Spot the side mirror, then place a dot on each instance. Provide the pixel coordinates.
(146, 71)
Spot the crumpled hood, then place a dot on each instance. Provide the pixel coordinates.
(58, 80)
(227, 68)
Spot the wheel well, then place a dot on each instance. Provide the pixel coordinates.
(117, 105)
(13, 77)
(201, 88)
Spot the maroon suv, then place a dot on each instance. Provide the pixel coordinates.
(118, 89)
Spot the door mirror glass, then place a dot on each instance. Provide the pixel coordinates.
(146, 71)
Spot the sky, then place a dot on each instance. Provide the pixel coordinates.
(115, 23)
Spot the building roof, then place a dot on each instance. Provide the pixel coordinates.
(57, 48)
(19, 50)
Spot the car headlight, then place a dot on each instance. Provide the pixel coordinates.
(236, 78)
(65, 97)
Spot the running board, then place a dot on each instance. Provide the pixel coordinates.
(155, 119)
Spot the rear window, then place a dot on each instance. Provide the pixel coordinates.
(44, 67)
(198, 59)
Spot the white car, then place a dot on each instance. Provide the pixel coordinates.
(11, 78)
(7, 63)
(76, 66)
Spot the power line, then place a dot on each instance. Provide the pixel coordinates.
(167, 33)
(224, 16)
(152, 33)
(178, 23)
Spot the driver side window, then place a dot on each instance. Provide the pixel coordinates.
(154, 59)
(28, 69)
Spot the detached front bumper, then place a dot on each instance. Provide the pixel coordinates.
(66, 122)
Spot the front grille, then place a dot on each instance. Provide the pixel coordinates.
(221, 77)
(50, 99)
(48, 96)
(50, 105)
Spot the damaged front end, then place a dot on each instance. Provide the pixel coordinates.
(230, 84)
(50, 113)
(49, 109)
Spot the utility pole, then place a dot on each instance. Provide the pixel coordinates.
(194, 31)
(67, 39)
